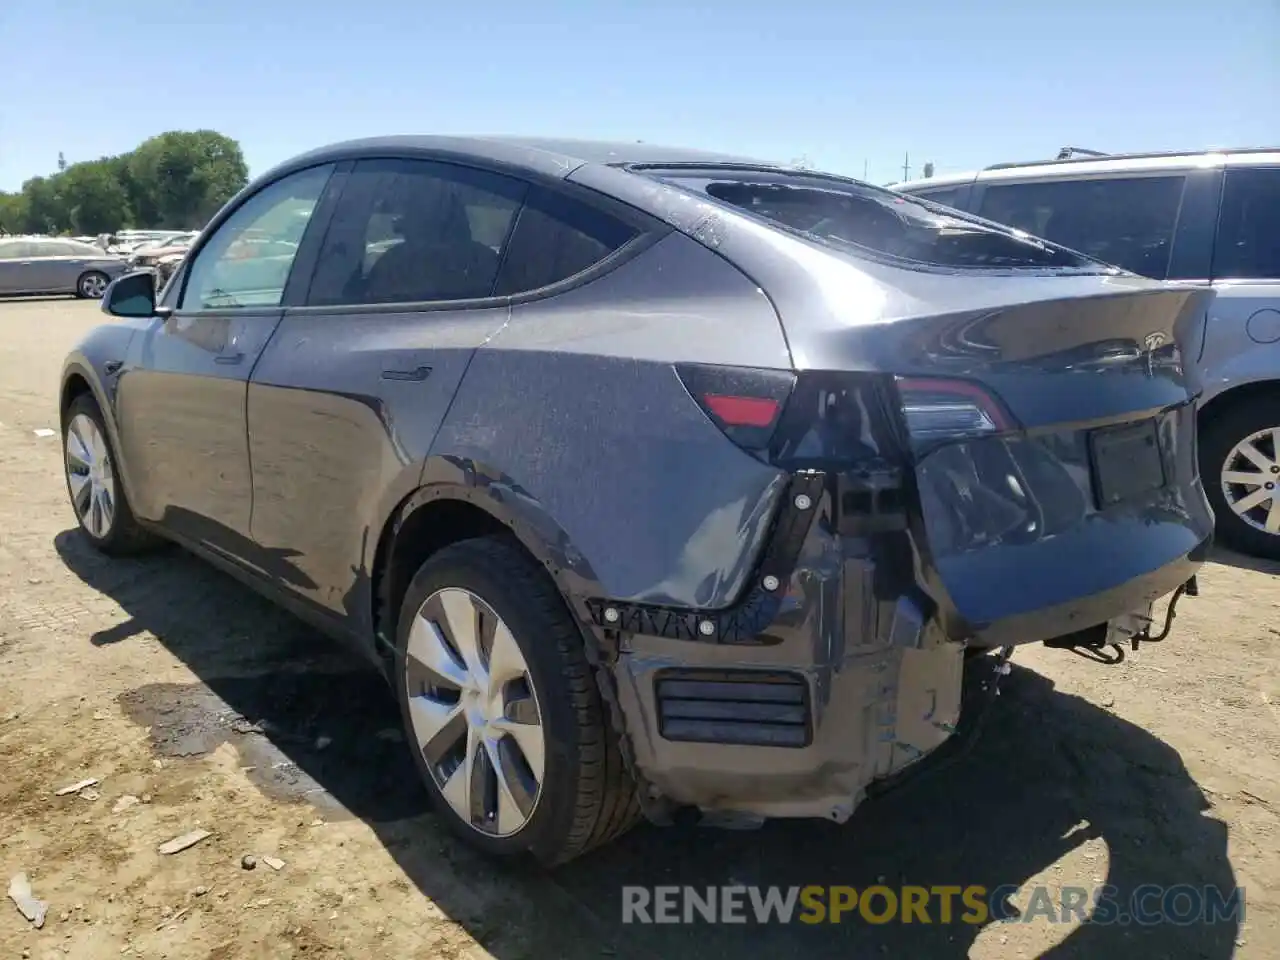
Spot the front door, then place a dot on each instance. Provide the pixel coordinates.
(181, 399)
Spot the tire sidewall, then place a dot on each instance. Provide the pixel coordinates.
(1218, 436)
(457, 566)
(85, 405)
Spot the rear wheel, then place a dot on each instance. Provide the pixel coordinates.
(501, 708)
(92, 285)
(1240, 468)
(93, 484)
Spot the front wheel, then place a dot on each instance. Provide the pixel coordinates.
(1240, 469)
(501, 708)
(92, 285)
(94, 486)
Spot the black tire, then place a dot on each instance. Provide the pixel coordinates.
(588, 798)
(83, 280)
(1219, 433)
(125, 536)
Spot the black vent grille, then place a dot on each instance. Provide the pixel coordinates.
(745, 707)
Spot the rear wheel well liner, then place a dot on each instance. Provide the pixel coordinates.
(1237, 395)
(417, 530)
(73, 385)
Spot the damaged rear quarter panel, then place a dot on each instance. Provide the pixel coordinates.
(577, 402)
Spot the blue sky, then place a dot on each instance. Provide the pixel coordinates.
(839, 82)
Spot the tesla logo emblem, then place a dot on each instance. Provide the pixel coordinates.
(1154, 342)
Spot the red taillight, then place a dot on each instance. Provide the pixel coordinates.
(745, 402)
(743, 411)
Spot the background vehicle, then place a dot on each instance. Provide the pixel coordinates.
(55, 265)
(147, 255)
(1208, 218)
(651, 478)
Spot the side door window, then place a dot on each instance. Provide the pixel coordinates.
(1248, 241)
(414, 231)
(246, 262)
(1126, 221)
(558, 237)
(948, 196)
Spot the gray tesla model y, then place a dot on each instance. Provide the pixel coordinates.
(654, 480)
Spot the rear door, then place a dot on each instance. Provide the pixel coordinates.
(181, 399)
(351, 390)
(1242, 344)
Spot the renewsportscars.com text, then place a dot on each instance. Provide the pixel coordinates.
(1146, 905)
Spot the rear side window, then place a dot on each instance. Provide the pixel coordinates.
(409, 231)
(1127, 221)
(860, 218)
(1248, 244)
(557, 237)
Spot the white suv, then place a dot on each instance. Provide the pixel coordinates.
(1209, 218)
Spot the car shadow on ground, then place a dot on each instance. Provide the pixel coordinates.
(1049, 772)
(1245, 562)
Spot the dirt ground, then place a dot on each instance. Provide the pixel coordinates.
(198, 706)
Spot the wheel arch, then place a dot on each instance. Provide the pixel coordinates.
(1240, 393)
(79, 379)
(458, 499)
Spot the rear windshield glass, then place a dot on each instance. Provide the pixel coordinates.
(864, 219)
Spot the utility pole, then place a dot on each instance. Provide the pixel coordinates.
(864, 168)
(906, 166)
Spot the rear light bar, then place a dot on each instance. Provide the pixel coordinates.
(937, 408)
(744, 402)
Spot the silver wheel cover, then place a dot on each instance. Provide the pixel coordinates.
(1250, 480)
(93, 285)
(474, 712)
(90, 476)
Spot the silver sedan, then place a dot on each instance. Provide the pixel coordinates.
(53, 265)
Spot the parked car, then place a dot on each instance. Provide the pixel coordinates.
(165, 267)
(652, 479)
(1210, 219)
(54, 265)
(147, 255)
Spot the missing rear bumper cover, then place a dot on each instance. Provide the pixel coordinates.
(743, 622)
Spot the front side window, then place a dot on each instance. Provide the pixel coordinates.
(859, 218)
(409, 231)
(1127, 221)
(246, 262)
(1248, 244)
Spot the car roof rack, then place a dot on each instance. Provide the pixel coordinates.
(1089, 156)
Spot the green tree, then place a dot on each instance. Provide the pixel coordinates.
(178, 179)
(13, 213)
(94, 198)
(186, 177)
(45, 211)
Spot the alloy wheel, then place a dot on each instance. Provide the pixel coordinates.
(90, 476)
(1251, 480)
(93, 285)
(474, 712)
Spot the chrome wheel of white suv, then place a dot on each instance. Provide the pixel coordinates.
(1250, 480)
